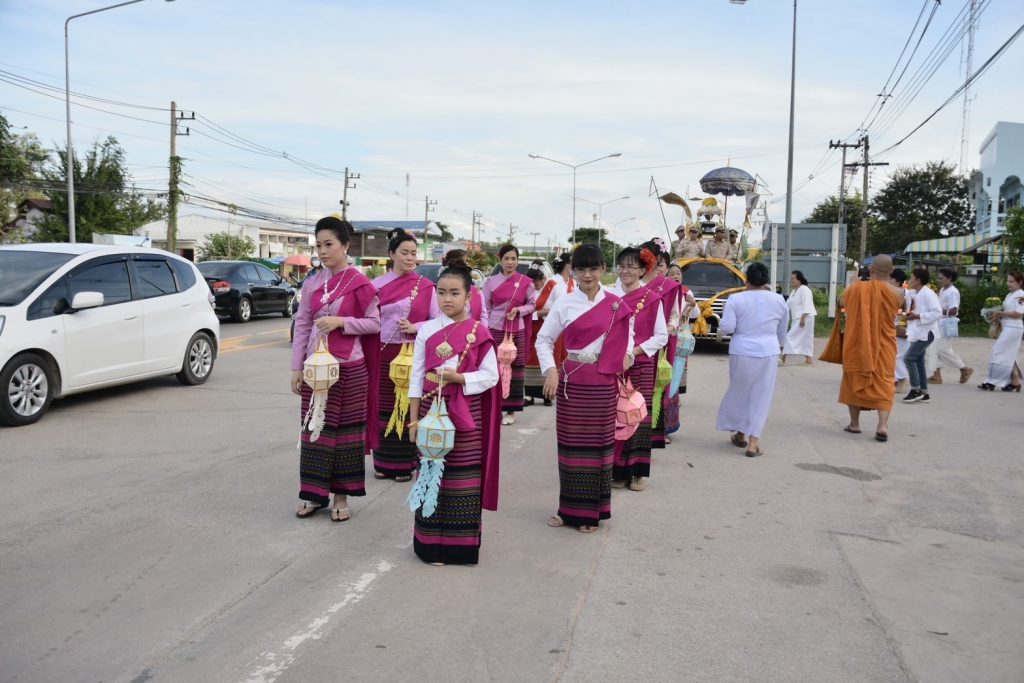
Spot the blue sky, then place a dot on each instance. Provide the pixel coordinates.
(458, 93)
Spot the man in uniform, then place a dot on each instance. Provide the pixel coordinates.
(734, 246)
(692, 247)
(718, 247)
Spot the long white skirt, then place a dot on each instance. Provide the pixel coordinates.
(901, 367)
(1004, 355)
(748, 400)
(800, 340)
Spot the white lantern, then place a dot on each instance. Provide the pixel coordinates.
(320, 372)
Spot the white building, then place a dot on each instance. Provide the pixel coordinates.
(272, 241)
(996, 186)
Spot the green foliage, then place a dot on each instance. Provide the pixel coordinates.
(106, 200)
(21, 162)
(1013, 257)
(608, 247)
(919, 203)
(827, 211)
(972, 300)
(226, 246)
(446, 234)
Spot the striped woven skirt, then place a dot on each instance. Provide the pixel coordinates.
(452, 534)
(516, 395)
(585, 428)
(396, 457)
(633, 456)
(335, 462)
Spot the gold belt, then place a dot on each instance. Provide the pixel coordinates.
(432, 377)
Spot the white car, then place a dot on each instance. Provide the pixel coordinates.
(76, 317)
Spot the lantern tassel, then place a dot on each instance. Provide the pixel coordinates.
(425, 491)
(316, 415)
(400, 413)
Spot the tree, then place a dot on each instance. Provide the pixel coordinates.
(919, 203)
(446, 234)
(21, 164)
(609, 248)
(225, 245)
(106, 200)
(1013, 258)
(827, 211)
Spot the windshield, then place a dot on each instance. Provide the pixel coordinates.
(22, 271)
(216, 269)
(710, 276)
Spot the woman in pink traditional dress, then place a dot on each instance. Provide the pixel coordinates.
(457, 351)
(595, 326)
(406, 301)
(339, 303)
(678, 327)
(668, 291)
(633, 456)
(456, 258)
(534, 381)
(510, 299)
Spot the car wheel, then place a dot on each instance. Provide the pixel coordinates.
(243, 312)
(28, 385)
(289, 307)
(199, 357)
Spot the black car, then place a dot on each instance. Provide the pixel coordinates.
(243, 289)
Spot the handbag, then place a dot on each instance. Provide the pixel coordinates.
(630, 410)
(507, 352)
(950, 327)
(833, 352)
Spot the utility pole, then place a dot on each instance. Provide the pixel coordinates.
(476, 220)
(173, 193)
(511, 232)
(407, 195)
(344, 196)
(972, 25)
(428, 206)
(534, 242)
(842, 176)
(864, 219)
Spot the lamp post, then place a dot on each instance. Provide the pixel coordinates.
(574, 167)
(67, 107)
(788, 252)
(600, 206)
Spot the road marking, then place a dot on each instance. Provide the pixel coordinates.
(276, 663)
(256, 334)
(235, 343)
(250, 347)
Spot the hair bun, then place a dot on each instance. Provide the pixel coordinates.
(395, 232)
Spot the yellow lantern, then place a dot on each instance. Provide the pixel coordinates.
(320, 372)
(399, 370)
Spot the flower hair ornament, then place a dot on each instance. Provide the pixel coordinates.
(661, 244)
(648, 258)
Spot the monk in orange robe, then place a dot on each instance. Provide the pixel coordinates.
(869, 347)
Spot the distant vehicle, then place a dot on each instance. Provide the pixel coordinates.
(712, 279)
(243, 289)
(432, 271)
(77, 317)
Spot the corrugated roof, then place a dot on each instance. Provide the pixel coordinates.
(942, 245)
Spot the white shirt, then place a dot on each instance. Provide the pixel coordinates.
(561, 289)
(949, 297)
(1013, 303)
(563, 312)
(476, 382)
(926, 305)
(659, 339)
(801, 302)
(757, 320)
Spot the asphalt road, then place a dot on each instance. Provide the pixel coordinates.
(146, 533)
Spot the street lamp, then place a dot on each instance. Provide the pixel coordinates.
(67, 105)
(788, 252)
(600, 206)
(574, 167)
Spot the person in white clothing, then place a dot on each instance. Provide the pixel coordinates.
(1003, 370)
(898, 279)
(922, 328)
(945, 355)
(756, 319)
(800, 339)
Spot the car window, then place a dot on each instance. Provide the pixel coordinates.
(185, 274)
(53, 301)
(267, 275)
(154, 278)
(217, 269)
(110, 279)
(712, 275)
(22, 271)
(250, 274)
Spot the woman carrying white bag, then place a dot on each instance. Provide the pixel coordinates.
(949, 329)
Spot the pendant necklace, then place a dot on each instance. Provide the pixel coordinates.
(327, 295)
(444, 349)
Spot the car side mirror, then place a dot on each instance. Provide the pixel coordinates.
(84, 300)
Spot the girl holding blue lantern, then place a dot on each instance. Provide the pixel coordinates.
(454, 356)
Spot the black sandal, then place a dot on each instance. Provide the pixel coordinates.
(308, 510)
(880, 437)
(737, 442)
